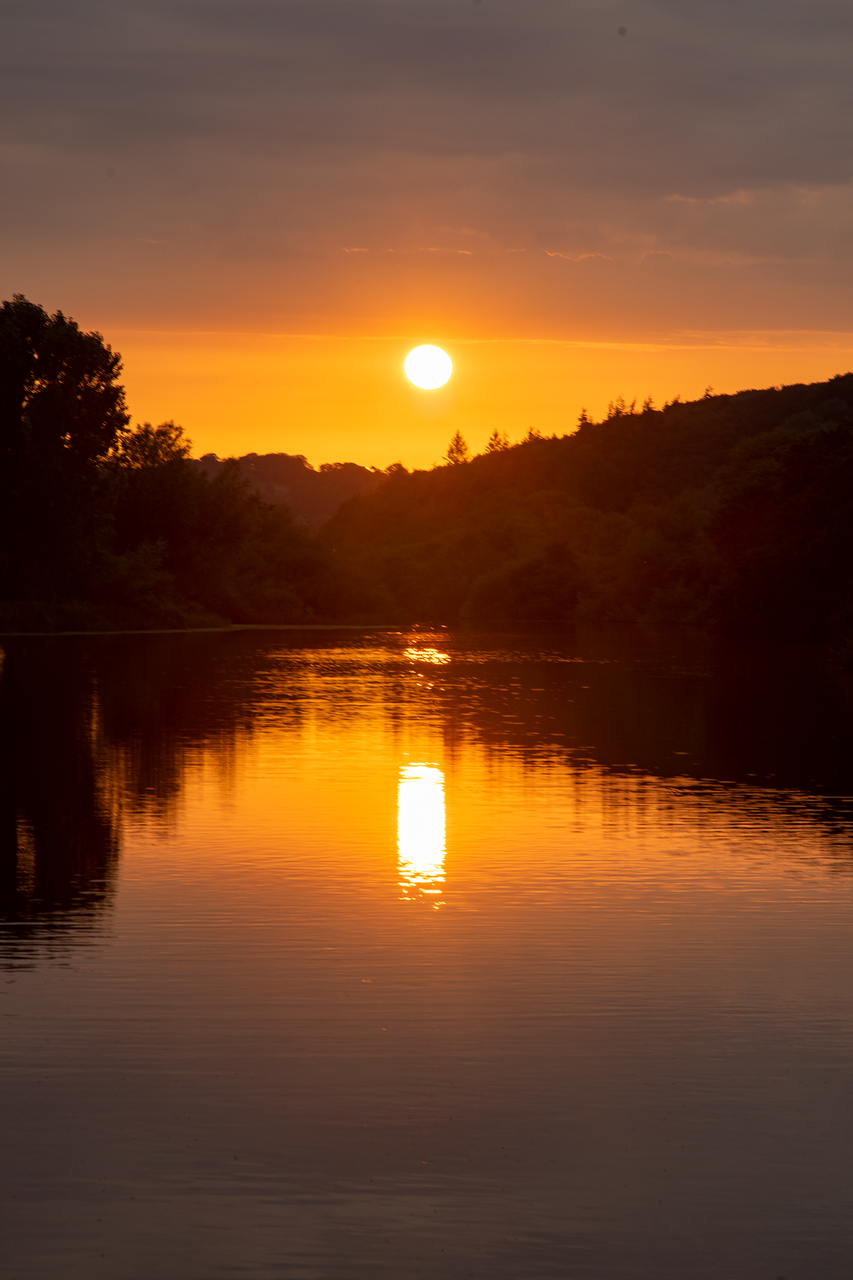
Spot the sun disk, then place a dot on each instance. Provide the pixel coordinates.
(428, 367)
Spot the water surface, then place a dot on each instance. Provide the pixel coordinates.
(425, 954)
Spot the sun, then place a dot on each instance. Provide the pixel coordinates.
(428, 367)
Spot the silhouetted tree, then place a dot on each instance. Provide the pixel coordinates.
(457, 450)
(215, 542)
(497, 442)
(149, 446)
(61, 412)
(618, 408)
(104, 526)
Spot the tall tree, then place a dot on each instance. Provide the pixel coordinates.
(62, 410)
(457, 450)
(498, 442)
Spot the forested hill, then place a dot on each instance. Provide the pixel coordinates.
(730, 511)
(312, 495)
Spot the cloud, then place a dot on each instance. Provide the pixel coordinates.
(278, 130)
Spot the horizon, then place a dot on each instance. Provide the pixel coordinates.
(627, 408)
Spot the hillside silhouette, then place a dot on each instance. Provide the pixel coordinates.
(733, 512)
(729, 512)
(284, 479)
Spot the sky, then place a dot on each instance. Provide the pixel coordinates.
(264, 204)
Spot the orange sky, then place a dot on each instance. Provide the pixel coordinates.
(263, 205)
(346, 398)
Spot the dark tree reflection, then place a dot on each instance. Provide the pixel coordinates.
(95, 731)
(163, 698)
(58, 827)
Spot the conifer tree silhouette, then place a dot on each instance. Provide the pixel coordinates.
(457, 450)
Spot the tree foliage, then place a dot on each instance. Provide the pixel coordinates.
(497, 442)
(216, 542)
(104, 524)
(62, 411)
(729, 511)
(59, 393)
(457, 450)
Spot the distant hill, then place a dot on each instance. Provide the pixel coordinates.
(733, 511)
(313, 496)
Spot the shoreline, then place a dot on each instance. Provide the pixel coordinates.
(181, 631)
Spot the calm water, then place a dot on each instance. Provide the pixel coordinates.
(332, 955)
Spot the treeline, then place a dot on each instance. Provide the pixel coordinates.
(105, 526)
(731, 512)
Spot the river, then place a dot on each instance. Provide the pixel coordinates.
(335, 955)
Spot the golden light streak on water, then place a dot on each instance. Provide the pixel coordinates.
(421, 831)
(427, 655)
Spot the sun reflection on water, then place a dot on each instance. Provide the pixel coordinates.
(420, 831)
(426, 655)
